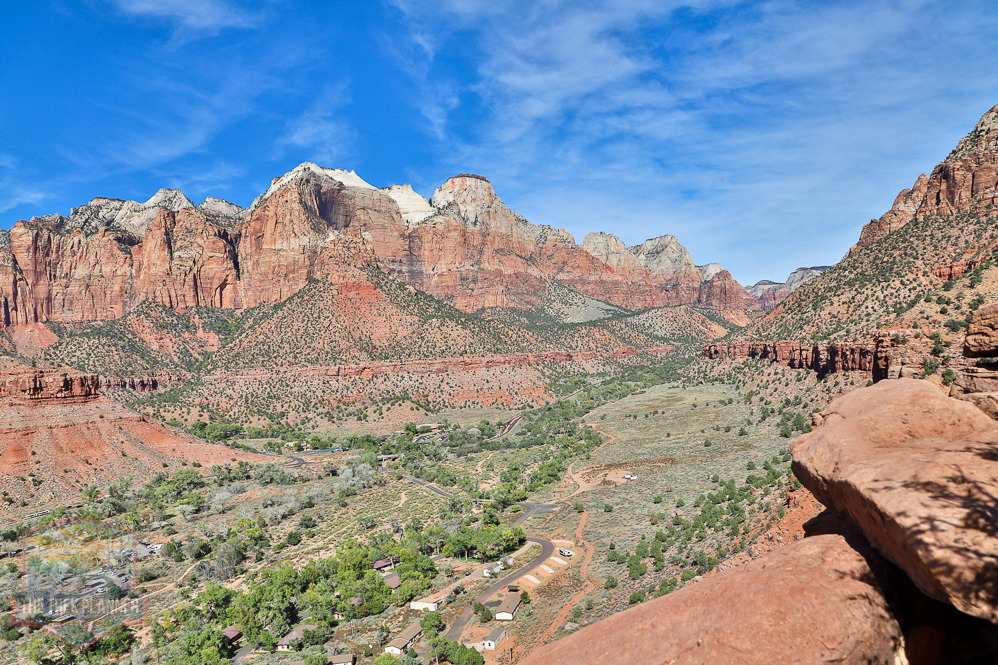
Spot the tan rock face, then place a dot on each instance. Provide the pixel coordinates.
(982, 333)
(918, 473)
(967, 180)
(814, 601)
(468, 248)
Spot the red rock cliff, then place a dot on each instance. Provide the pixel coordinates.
(467, 248)
(965, 182)
(874, 357)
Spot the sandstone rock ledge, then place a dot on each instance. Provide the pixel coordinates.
(814, 601)
(918, 473)
(903, 572)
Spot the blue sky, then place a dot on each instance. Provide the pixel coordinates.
(761, 134)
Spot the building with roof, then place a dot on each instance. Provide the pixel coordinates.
(405, 639)
(387, 562)
(232, 633)
(492, 641)
(508, 608)
(342, 659)
(285, 643)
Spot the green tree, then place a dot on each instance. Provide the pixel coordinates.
(432, 623)
(386, 659)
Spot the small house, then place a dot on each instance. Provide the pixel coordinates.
(405, 639)
(342, 659)
(285, 642)
(492, 641)
(508, 608)
(388, 562)
(424, 605)
(232, 633)
(493, 570)
(393, 581)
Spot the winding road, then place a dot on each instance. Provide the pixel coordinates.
(547, 549)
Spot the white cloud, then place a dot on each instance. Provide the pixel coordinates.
(732, 125)
(319, 133)
(192, 18)
(15, 187)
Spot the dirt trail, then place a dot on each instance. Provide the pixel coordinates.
(402, 498)
(577, 476)
(584, 571)
(478, 469)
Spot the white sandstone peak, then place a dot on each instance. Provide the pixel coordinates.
(609, 249)
(220, 207)
(171, 199)
(348, 178)
(414, 207)
(801, 276)
(664, 254)
(709, 270)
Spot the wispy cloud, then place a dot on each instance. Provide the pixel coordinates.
(730, 124)
(192, 17)
(15, 187)
(319, 133)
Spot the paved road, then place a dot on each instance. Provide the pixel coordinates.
(432, 488)
(547, 549)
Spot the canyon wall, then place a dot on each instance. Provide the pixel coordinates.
(965, 182)
(24, 385)
(874, 357)
(465, 246)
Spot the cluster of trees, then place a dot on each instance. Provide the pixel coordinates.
(109, 648)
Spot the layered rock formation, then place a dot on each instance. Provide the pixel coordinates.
(27, 386)
(768, 295)
(57, 426)
(824, 358)
(965, 182)
(465, 247)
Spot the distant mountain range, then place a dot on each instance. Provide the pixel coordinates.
(464, 246)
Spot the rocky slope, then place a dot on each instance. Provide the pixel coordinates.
(58, 433)
(465, 247)
(965, 182)
(902, 572)
(936, 243)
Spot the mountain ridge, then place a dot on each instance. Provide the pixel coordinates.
(463, 245)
